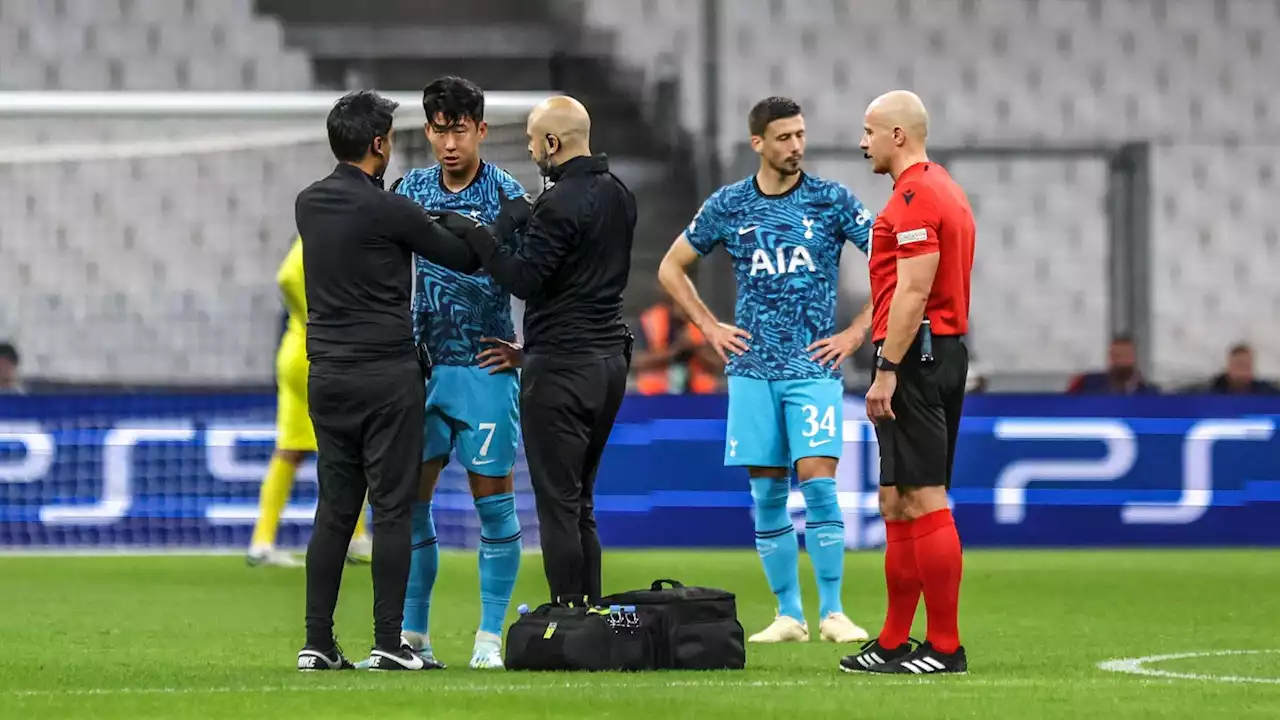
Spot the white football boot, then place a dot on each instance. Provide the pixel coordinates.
(838, 628)
(488, 652)
(783, 630)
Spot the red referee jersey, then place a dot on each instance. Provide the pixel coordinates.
(928, 213)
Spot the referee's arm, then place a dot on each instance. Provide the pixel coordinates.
(906, 310)
(523, 267)
(413, 228)
(917, 265)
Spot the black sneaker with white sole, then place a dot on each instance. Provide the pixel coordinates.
(313, 659)
(926, 660)
(873, 654)
(404, 658)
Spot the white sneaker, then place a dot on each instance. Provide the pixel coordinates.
(784, 629)
(488, 652)
(271, 557)
(838, 628)
(360, 551)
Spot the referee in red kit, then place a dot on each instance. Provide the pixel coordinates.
(921, 261)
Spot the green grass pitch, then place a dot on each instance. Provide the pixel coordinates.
(206, 637)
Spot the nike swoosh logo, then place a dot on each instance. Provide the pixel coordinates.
(381, 660)
(745, 230)
(828, 542)
(818, 443)
(478, 461)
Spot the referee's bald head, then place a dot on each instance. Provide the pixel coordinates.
(559, 129)
(563, 117)
(896, 125)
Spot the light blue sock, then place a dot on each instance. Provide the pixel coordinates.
(824, 540)
(499, 558)
(423, 566)
(777, 544)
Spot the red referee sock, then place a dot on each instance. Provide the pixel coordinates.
(903, 582)
(939, 559)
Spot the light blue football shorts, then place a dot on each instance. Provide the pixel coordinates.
(475, 414)
(775, 423)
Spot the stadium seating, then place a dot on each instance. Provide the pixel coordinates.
(155, 232)
(1196, 76)
(162, 256)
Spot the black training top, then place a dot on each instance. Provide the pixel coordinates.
(572, 262)
(357, 247)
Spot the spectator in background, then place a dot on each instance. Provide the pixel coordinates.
(672, 356)
(1238, 378)
(1122, 376)
(9, 359)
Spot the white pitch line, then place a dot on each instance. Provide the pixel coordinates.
(1137, 666)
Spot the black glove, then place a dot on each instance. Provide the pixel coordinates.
(513, 215)
(483, 241)
(455, 223)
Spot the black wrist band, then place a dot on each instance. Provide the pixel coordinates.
(883, 364)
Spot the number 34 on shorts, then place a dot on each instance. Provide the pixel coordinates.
(774, 423)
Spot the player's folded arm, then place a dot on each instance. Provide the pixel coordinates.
(523, 267)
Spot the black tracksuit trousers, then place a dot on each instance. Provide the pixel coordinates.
(368, 419)
(567, 409)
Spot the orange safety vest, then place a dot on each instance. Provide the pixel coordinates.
(656, 323)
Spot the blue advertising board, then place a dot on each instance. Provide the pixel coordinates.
(183, 471)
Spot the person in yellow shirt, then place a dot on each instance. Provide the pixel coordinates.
(295, 438)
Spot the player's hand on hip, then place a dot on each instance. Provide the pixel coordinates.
(727, 339)
(500, 356)
(880, 396)
(833, 351)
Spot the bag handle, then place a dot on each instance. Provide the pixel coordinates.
(675, 584)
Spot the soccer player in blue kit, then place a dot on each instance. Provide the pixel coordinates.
(473, 396)
(785, 231)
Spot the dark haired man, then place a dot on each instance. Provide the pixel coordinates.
(473, 396)
(365, 385)
(10, 383)
(785, 231)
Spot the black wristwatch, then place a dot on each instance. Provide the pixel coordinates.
(883, 364)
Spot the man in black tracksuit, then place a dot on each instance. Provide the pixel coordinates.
(365, 387)
(571, 266)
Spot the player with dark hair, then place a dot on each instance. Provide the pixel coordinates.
(473, 396)
(921, 265)
(785, 231)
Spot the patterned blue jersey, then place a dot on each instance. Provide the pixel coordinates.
(786, 258)
(451, 310)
